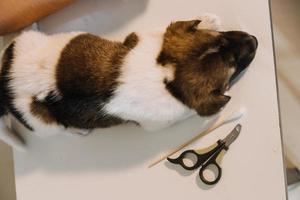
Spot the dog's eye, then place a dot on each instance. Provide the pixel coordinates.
(217, 91)
(232, 59)
(223, 42)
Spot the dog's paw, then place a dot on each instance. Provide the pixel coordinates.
(78, 132)
(209, 21)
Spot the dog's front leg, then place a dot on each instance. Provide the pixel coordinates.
(79, 132)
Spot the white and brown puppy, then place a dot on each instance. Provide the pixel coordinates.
(79, 81)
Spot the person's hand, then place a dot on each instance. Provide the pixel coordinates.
(17, 14)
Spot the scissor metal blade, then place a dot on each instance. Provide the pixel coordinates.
(231, 137)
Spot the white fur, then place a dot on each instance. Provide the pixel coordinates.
(33, 73)
(7, 133)
(210, 21)
(142, 96)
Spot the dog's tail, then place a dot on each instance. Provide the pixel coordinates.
(7, 133)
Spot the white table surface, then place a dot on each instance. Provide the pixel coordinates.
(112, 163)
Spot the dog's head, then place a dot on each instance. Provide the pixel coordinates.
(205, 63)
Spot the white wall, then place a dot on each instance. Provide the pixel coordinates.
(286, 21)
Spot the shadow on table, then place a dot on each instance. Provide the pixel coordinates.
(183, 172)
(109, 149)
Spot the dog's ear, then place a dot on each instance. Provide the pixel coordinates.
(212, 104)
(131, 40)
(192, 25)
(184, 26)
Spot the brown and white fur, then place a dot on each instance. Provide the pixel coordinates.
(78, 81)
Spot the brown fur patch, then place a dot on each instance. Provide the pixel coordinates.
(203, 60)
(87, 74)
(40, 110)
(89, 65)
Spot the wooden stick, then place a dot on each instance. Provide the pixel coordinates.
(233, 117)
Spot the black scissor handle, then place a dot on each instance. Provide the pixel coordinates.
(201, 158)
(205, 167)
(180, 160)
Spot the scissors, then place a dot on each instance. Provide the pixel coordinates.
(208, 159)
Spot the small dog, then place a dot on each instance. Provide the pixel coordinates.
(79, 81)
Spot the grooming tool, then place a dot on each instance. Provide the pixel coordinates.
(208, 159)
(230, 118)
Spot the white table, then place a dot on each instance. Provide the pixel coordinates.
(112, 164)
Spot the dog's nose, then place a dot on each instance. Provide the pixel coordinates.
(245, 51)
(255, 41)
(250, 43)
